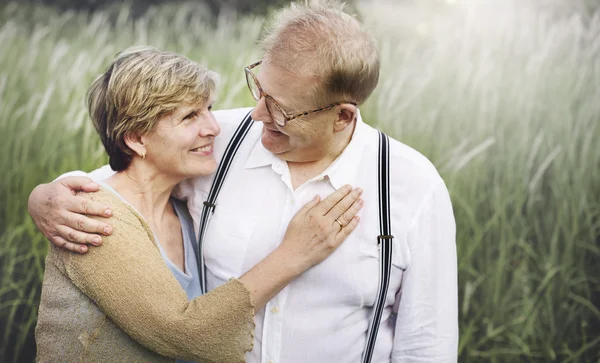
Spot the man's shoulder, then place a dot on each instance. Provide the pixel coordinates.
(413, 163)
(231, 117)
(228, 120)
(407, 165)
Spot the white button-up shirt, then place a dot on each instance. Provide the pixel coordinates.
(324, 314)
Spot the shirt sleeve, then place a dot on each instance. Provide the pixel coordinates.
(183, 191)
(129, 281)
(427, 321)
(98, 175)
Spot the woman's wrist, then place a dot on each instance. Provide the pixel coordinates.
(292, 261)
(272, 274)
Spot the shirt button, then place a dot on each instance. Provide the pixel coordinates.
(274, 310)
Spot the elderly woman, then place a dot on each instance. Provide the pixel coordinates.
(128, 300)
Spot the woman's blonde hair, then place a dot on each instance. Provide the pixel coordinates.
(141, 86)
(318, 39)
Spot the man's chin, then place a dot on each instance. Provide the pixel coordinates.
(275, 142)
(272, 132)
(276, 147)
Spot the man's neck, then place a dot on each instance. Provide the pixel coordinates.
(301, 172)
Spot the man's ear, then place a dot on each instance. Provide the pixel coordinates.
(346, 114)
(136, 143)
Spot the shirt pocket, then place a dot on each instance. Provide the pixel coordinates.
(225, 244)
(370, 253)
(369, 247)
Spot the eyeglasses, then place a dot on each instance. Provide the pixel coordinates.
(277, 113)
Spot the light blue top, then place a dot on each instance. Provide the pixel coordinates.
(190, 279)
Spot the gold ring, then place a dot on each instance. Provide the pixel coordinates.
(340, 223)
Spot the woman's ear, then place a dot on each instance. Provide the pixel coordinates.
(135, 143)
(346, 114)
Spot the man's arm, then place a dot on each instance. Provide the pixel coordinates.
(427, 321)
(63, 217)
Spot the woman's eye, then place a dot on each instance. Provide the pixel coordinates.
(210, 108)
(190, 116)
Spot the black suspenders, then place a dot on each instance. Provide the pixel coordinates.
(215, 188)
(384, 240)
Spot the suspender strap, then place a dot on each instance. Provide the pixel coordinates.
(209, 204)
(384, 240)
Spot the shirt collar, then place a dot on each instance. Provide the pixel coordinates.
(259, 156)
(342, 171)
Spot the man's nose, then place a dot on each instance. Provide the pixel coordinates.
(260, 112)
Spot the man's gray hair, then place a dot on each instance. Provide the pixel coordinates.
(319, 39)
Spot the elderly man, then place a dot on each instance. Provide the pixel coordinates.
(319, 64)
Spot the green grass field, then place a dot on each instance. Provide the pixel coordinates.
(506, 103)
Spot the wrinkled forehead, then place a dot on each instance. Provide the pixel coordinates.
(289, 88)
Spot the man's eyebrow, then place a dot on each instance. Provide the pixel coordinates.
(283, 105)
(286, 107)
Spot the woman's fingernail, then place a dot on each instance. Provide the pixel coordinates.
(107, 230)
(83, 249)
(96, 241)
(107, 212)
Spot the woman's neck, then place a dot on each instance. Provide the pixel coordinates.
(146, 189)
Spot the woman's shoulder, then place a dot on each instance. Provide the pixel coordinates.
(129, 228)
(103, 195)
(123, 215)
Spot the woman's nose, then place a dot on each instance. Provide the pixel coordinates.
(211, 126)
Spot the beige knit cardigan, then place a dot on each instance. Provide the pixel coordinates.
(120, 303)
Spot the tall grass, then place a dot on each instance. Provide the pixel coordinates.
(505, 102)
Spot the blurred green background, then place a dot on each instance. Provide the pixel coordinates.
(503, 96)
